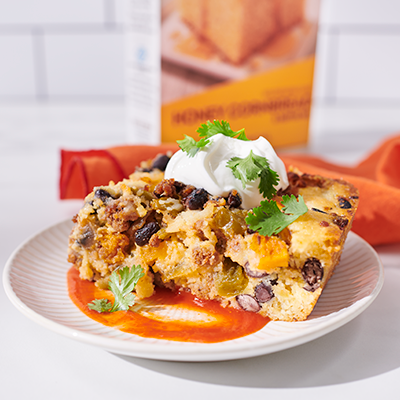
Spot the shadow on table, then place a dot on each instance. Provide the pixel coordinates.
(365, 347)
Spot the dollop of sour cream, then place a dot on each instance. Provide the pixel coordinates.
(208, 168)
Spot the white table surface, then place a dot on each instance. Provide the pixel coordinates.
(360, 360)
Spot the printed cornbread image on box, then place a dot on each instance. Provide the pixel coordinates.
(235, 29)
(250, 62)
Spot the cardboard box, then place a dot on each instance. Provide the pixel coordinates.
(249, 62)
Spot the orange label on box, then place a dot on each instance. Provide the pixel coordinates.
(275, 104)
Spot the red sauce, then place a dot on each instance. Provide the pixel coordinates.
(216, 324)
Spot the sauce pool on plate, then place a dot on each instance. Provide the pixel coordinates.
(168, 315)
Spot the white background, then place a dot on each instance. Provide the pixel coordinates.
(73, 50)
(62, 86)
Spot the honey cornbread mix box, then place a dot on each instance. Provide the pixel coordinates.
(250, 62)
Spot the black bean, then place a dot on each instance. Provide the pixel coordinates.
(320, 211)
(234, 199)
(183, 190)
(313, 273)
(196, 199)
(160, 162)
(248, 303)
(263, 292)
(273, 282)
(103, 195)
(340, 221)
(143, 235)
(344, 203)
(138, 169)
(179, 186)
(87, 237)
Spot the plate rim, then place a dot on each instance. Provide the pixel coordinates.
(198, 352)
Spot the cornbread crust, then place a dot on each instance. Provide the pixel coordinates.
(210, 250)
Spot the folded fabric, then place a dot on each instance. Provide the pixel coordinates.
(377, 178)
(81, 171)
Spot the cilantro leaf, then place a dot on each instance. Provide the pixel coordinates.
(212, 128)
(207, 130)
(268, 180)
(190, 146)
(268, 219)
(100, 305)
(252, 167)
(122, 282)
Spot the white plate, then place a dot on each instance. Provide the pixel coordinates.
(35, 281)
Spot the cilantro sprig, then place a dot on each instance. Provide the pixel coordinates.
(250, 168)
(268, 219)
(190, 146)
(207, 130)
(121, 283)
(210, 129)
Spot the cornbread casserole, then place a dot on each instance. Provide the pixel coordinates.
(185, 238)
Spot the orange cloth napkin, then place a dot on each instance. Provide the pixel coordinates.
(377, 178)
(81, 171)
